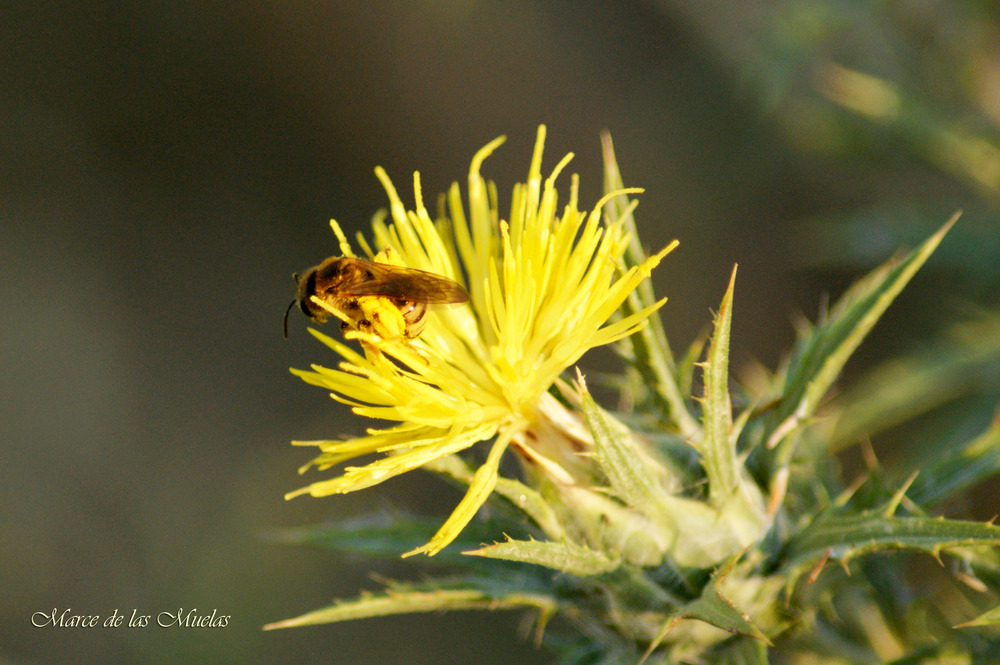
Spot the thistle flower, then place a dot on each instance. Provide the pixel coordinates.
(673, 532)
(543, 288)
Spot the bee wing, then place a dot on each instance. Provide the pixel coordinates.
(391, 281)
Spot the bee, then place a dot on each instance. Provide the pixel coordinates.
(378, 297)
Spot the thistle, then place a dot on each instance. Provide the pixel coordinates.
(675, 531)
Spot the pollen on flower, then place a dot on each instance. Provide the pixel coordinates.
(542, 288)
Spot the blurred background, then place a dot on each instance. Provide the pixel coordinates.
(165, 167)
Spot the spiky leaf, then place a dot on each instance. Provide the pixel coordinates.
(944, 477)
(990, 618)
(564, 556)
(713, 608)
(630, 473)
(648, 348)
(414, 601)
(717, 448)
(966, 362)
(844, 537)
(818, 362)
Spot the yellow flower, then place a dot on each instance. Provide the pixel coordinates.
(542, 287)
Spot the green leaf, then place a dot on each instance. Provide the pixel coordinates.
(740, 652)
(379, 535)
(406, 602)
(717, 448)
(385, 534)
(731, 491)
(940, 479)
(692, 532)
(843, 537)
(713, 608)
(629, 470)
(822, 354)
(648, 348)
(564, 556)
(991, 618)
(938, 373)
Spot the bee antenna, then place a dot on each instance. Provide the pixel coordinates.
(290, 306)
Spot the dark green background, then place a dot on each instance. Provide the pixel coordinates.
(165, 167)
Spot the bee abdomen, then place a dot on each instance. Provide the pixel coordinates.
(415, 315)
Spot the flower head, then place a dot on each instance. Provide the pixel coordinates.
(543, 289)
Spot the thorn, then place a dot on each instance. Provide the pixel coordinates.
(782, 430)
(779, 486)
(819, 565)
(868, 454)
(850, 490)
(973, 583)
(897, 497)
